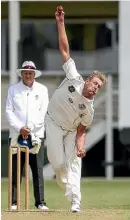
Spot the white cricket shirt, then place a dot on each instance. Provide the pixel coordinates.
(27, 107)
(68, 107)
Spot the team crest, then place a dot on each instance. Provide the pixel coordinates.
(71, 88)
(82, 106)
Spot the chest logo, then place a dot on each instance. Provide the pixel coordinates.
(82, 106)
(71, 89)
(36, 97)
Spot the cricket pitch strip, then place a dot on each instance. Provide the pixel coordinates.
(90, 214)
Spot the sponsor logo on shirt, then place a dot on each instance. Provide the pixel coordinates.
(82, 106)
(81, 115)
(71, 101)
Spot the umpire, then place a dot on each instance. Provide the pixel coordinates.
(26, 106)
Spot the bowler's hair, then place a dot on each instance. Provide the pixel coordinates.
(99, 75)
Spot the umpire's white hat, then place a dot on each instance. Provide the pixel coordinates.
(29, 65)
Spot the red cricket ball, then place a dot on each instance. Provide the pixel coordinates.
(59, 9)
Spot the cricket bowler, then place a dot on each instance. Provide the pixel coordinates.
(70, 112)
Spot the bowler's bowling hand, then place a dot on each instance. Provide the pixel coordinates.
(59, 14)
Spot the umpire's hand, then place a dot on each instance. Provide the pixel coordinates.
(25, 131)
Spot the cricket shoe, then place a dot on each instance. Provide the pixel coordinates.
(75, 207)
(14, 207)
(43, 207)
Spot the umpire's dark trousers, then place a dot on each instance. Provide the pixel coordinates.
(36, 165)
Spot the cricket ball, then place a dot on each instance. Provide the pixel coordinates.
(59, 9)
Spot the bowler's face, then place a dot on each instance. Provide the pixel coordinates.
(28, 77)
(92, 87)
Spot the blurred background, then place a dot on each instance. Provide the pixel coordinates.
(29, 32)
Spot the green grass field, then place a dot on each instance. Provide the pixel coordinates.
(101, 200)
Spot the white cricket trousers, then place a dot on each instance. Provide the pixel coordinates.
(61, 154)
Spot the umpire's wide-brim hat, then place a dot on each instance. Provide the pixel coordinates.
(29, 65)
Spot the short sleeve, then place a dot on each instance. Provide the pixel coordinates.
(86, 121)
(70, 69)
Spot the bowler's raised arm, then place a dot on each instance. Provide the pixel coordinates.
(62, 36)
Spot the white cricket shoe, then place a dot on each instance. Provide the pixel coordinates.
(43, 207)
(14, 207)
(75, 207)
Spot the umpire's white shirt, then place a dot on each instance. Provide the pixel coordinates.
(27, 107)
(68, 107)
